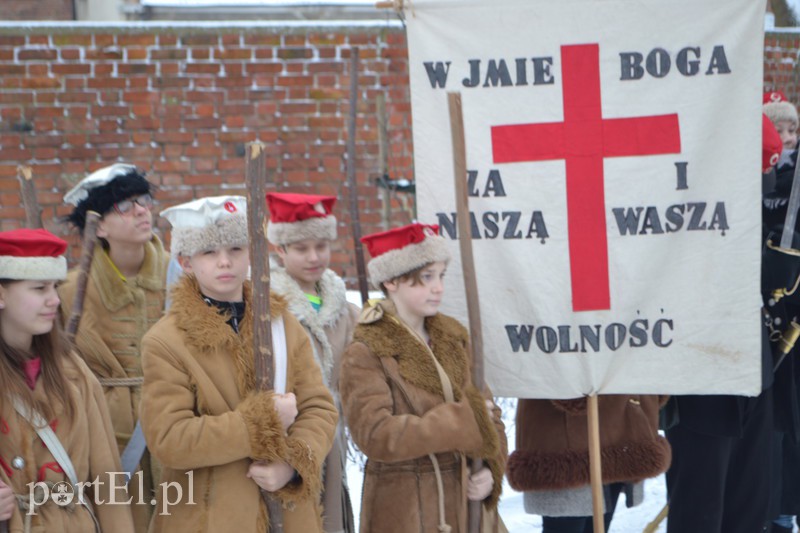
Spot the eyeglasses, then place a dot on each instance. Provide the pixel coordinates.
(126, 206)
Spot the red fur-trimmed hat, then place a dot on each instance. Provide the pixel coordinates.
(295, 217)
(771, 144)
(401, 250)
(32, 254)
(777, 107)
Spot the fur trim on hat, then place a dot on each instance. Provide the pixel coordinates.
(778, 111)
(281, 233)
(395, 263)
(33, 268)
(228, 231)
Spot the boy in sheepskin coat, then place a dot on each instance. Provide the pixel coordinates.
(301, 228)
(124, 298)
(408, 399)
(218, 438)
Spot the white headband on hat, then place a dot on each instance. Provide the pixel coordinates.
(98, 178)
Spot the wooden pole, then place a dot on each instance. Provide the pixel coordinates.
(355, 223)
(383, 157)
(595, 466)
(84, 268)
(33, 213)
(256, 177)
(468, 268)
(652, 527)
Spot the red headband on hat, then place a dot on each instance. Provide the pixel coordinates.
(398, 238)
(292, 207)
(31, 243)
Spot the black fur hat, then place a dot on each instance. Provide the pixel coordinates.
(112, 185)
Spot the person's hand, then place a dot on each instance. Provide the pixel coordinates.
(480, 485)
(7, 502)
(270, 476)
(286, 405)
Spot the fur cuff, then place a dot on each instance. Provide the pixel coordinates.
(780, 111)
(532, 470)
(300, 457)
(491, 442)
(267, 440)
(490, 450)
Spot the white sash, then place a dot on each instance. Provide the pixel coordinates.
(279, 355)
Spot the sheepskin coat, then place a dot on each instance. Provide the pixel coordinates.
(395, 408)
(116, 315)
(206, 425)
(330, 330)
(552, 448)
(89, 441)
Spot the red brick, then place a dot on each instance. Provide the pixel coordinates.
(36, 54)
(202, 68)
(295, 53)
(135, 68)
(135, 54)
(167, 53)
(232, 54)
(71, 69)
(136, 40)
(262, 40)
(67, 39)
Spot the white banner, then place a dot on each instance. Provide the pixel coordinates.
(613, 150)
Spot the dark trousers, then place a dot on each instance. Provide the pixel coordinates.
(721, 484)
(583, 524)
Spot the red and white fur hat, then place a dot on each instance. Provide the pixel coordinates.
(296, 217)
(401, 250)
(32, 254)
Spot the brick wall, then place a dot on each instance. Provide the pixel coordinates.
(36, 9)
(181, 103)
(781, 59)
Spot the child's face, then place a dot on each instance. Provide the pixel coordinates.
(131, 223)
(788, 132)
(27, 308)
(306, 260)
(424, 298)
(220, 273)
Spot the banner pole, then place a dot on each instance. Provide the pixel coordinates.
(595, 466)
(468, 268)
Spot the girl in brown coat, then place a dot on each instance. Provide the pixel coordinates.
(408, 400)
(55, 431)
(218, 439)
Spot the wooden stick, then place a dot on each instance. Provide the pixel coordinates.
(33, 213)
(468, 268)
(355, 224)
(595, 466)
(653, 526)
(256, 176)
(84, 268)
(383, 157)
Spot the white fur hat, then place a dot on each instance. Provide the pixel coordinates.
(401, 250)
(207, 224)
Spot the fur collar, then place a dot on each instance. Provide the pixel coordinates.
(116, 293)
(386, 337)
(334, 306)
(205, 329)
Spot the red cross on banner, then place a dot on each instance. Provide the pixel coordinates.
(583, 140)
